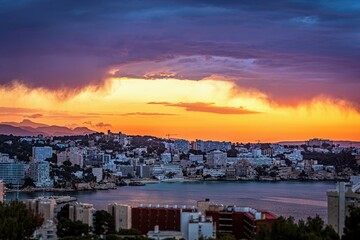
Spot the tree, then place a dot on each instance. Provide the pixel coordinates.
(352, 225)
(286, 228)
(63, 213)
(17, 222)
(225, 236)
(104, 222)
(67, 163)
(28, 182)
(66, 228)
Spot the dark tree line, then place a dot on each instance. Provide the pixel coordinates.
(17, 222)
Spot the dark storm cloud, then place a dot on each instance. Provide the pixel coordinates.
(299, 48)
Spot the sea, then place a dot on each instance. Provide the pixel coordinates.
(297, 199)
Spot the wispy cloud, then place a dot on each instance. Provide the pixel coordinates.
(310, 20)
(103, 125)
(206, 107)
(150, 114)
(36, 115)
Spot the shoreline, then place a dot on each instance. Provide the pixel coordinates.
(150, 181)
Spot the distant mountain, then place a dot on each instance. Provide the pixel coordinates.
(16, 131)
(30, 128)
(26, 123)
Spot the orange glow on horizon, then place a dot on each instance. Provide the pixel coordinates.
(206, 109)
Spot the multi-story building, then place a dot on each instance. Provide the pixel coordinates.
(340, 200)
(121, 214)
(42, 206)
(40, 173)
(145, 218)
(194, 225)
(126, 170)
(207, 146)
(2, 191)
(182, 145)
(12, 172)
(98, 173)
(166, 157)
(41, 153)
(76, 157)
(196, 158)
(230, 173)
(62, 157)
(242, 222)
(216, 159)
(317, 142)
(4, 157)
(83, 212)
(143, 171)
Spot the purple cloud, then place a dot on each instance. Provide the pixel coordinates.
(290, 50)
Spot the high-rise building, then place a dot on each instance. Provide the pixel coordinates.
(143, 171)
(12, 172)
(43, 206)
(121, 214)
(83, 212)
(40, 173)
(340, 200)
(41, 153)
(126, 170)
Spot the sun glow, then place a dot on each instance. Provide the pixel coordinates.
(205, 109)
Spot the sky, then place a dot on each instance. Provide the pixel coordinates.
(223, 70)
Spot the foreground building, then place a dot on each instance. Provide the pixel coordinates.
(242, 222)
(2, 191)
(42, 206)
(195, 225)
(83, 212)
(145, 218)
(340, 200)
(121, 214)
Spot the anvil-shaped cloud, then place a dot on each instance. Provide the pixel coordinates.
(290, 50)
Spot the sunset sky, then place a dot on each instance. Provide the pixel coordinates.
(222, 70)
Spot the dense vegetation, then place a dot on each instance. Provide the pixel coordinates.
(17, 222)
(340, 160)
(287, 228)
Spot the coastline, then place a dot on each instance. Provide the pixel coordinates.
(185, 180)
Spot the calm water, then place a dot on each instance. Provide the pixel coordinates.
(298, 199)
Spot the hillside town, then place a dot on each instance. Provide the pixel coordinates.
(103, 161)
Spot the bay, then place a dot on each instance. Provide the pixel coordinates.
(297, 199)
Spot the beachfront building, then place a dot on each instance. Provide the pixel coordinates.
(12, 172)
